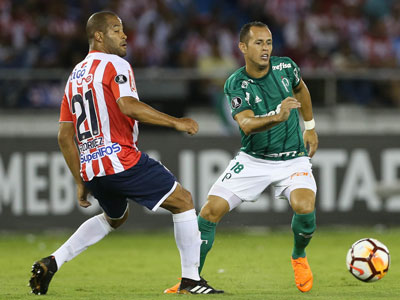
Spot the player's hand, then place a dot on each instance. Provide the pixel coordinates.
(286, 106)
(82, 195)
(310, 138)
(187, 125)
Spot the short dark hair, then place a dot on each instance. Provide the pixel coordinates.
(98, 22)
(244, 31)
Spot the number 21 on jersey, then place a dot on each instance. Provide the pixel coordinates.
(80, 106)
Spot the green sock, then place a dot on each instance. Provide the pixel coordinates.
(303, 226)
(207, 230)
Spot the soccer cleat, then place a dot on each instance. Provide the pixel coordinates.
(216, 291)
(189, 286)
(173, 289)
(302, 274)
(42, 273)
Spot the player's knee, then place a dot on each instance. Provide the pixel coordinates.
(302, 201)
(304, 206)
(214, 211)
(185, 201)
(180, 201)
(115, 223)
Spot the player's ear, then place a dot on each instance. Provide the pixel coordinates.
(243, 47)
(98, 36)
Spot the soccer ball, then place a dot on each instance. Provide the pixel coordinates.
(368, 260)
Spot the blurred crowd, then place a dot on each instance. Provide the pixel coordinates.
(331, 34)
(203, 34)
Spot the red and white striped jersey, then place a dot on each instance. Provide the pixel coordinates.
(106, 137)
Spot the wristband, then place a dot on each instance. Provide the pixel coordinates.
(308, 125)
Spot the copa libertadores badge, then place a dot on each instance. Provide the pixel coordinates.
(236, 102)
(120, 79)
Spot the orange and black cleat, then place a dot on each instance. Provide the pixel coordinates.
(302, 274)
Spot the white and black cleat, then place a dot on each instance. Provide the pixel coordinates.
(189, 286)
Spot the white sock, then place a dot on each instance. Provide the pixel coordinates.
(187, 237)
(89, 233)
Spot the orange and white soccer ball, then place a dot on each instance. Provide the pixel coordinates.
(368, 260)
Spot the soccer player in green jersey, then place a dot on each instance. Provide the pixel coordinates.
(265, 96)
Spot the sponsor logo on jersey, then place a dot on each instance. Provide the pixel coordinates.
(300, 174)
(120, 79)
(88, 79)
(78, 73)
(258, 99)
(100, 153)
(236, 102)
(276, 111)
(282, 154)
(281, 66)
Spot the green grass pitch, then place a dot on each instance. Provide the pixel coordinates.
(247, 265)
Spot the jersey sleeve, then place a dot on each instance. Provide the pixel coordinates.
(236, 97)
(122, 81)
(65, 112)
(294, 73)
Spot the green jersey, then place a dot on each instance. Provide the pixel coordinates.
(264, 96)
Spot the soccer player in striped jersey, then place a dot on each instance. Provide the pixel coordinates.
(101, 109)
(265, 96)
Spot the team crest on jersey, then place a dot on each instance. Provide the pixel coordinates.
(285, 83)
(236, 102)
(120, 79)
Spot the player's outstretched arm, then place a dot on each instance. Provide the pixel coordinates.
(66, 133)
(249, 123)
(310, 136)
(144, 113)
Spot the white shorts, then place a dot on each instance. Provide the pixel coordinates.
(246, 177)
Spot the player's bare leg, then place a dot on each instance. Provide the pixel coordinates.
(214, 209)
(303, 226)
